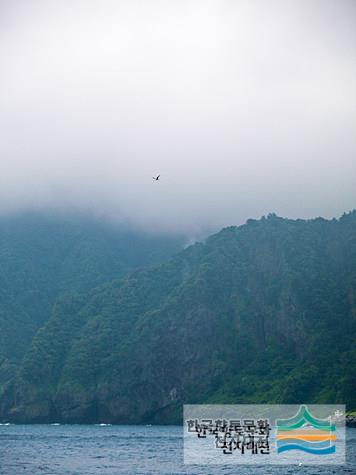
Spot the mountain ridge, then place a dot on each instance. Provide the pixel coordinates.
(263, 312)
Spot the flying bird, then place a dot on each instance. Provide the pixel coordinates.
(156, 178)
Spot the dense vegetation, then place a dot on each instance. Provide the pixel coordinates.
(264, 312)
(42, 257)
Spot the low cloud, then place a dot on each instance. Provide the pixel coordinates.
(243, 108)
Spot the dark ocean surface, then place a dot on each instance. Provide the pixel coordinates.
(131, 450)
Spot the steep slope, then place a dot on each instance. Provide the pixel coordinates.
(44, 256)
(263, 312)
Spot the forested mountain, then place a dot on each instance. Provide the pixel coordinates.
(264, 312)
(44, 256)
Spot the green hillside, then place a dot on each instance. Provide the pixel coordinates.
(264, 312)
(44, 256)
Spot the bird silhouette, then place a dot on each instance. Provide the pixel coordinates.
(156, 178)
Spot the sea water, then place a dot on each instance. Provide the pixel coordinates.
(130, 450)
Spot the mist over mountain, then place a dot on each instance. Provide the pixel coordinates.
(244, 107)
(260, 313)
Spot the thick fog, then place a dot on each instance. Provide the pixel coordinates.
(243, 107)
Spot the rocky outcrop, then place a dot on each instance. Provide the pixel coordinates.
(351, 421)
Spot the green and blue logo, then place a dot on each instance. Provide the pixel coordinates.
(306, 433)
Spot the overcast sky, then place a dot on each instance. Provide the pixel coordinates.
(244, 107)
